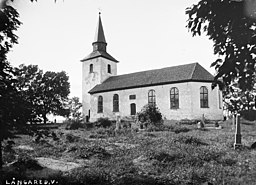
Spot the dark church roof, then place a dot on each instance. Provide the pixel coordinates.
(176, 74)
(99, 49)
(96, 54)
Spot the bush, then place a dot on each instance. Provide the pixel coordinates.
(189, 140)
(89, 125)
(154, 128)
(71, 138)
(24, 161)
(74, 124)
(150, 114)
(176, 128)
(103, 122)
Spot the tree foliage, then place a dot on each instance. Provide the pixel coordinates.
(43, 93)
(231, 25)
(74, 106)
(9, 99)
(150, 114)
(12, 109)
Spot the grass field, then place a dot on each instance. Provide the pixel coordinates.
(177, 154)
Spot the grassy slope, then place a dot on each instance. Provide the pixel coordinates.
(165, 157)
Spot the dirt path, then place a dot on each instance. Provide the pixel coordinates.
(57, 164)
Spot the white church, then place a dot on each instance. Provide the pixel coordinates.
(180, 92)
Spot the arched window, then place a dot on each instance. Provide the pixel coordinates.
(133, 108)
(109, 68)
(91, 68)
(203, 97)
(174, 98)
(115, 103)
(100, 104)
(151, 97)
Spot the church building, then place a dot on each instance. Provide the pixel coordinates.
(180, 92)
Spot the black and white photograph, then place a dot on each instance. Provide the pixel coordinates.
(126, 92)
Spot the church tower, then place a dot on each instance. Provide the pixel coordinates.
(96, 67)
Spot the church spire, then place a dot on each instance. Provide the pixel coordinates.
(99, 43)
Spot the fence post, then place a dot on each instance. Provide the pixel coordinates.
(118, 123)
(233, 121)
(238, 137)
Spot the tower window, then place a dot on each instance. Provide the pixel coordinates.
(151, 97)
(109, 68)
(91, 68)
(203, 97)
(132, 97)
(115, 103)
(100, 104)
(174, 97)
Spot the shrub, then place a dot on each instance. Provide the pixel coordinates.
(26, 162)
(71, 138)
(89, 125)
(90, 150)
(74, 124)
(164, 157)
(150, 114)
(8, 152)
(189, 140)
(179, 129)
(155, 128)
(127, 132)
(103, 122)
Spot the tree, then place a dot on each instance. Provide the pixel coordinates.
(231, 25)
(28, 79)
(55, 89)
(75, 106)
(8, 93)
(44, 93)
(10, 102)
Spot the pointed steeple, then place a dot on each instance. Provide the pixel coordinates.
(99, 43)
(99, 35)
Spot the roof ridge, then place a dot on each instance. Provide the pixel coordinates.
(194, 69)
(156, 69)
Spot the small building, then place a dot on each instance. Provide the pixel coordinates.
(180, 92)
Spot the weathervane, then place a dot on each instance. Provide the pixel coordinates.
(99, 10)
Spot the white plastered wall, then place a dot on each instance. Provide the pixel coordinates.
(189, 102)
(90, 80)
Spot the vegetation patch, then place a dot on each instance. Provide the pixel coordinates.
(189, 140)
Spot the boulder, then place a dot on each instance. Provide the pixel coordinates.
(253, 146)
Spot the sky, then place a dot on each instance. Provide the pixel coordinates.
(141, 34)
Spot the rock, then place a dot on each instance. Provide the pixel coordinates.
(200, 125)
(57, 164)
(24, 147)
(253, 146)
(218, 128)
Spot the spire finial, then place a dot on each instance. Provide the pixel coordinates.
(99, 40)
(99, 11)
